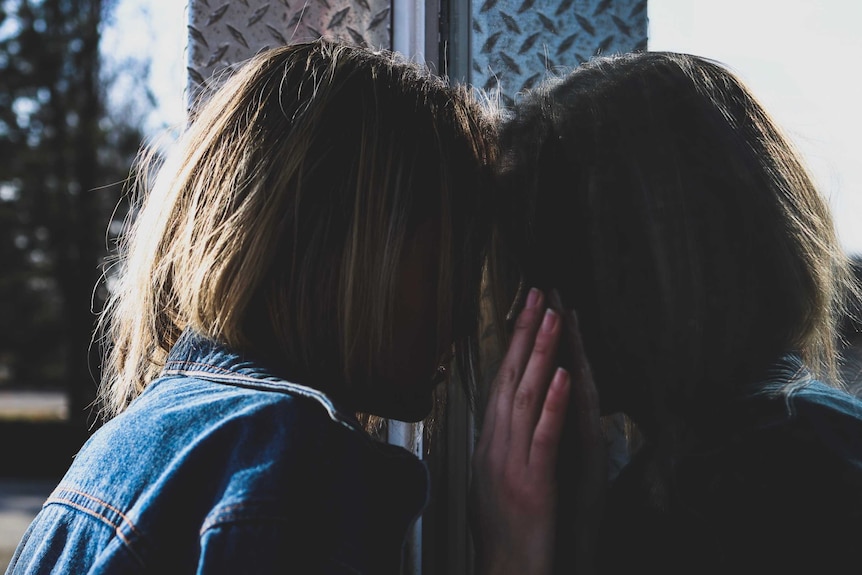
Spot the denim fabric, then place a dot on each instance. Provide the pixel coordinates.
(221, 467)
(773, 485)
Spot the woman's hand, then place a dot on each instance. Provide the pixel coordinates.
(514, 484)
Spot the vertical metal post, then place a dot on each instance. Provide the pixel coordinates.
(409, 436)
(408, 28)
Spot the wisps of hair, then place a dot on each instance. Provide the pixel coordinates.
(277, 223)
(654, 191)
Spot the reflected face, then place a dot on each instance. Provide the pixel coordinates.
(404, 389)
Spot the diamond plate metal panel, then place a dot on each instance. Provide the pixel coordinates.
(515, 42)
(224, 33)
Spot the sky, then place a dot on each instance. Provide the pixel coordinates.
(801, 58)
(155, 28)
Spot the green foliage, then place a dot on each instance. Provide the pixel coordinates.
(63, 163)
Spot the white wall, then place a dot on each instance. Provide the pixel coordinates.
(802, 58)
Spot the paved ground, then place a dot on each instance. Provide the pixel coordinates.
(20, 501)
(33, 405)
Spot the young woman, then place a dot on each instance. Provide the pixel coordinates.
(662, 202)
(312, 249)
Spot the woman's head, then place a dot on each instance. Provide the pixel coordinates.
(282, 223)
(668, 209)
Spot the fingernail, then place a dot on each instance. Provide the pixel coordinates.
(561, 379)
(550, 320)
(532, 298)
(560, 375)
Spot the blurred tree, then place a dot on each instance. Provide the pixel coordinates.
(63, 162)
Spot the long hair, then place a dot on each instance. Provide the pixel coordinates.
(658, 196)
(278, 223)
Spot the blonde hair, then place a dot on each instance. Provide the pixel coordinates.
(278, 224)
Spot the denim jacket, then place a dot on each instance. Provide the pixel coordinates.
(221, 467)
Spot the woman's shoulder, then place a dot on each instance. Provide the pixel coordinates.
(774, 484)
(798, 409)
(203, 458)
(245, 422)
(815, 400)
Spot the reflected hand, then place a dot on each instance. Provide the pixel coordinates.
(583, 462)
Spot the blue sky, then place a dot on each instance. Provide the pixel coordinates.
(800, 57)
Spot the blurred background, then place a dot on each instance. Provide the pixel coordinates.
(85, 83)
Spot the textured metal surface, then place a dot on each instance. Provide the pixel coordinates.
(515, 42)
(224, 33)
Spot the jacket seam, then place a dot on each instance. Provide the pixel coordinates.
(107, 505)
(93, 513)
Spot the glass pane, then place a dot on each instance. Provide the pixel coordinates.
(513, 43)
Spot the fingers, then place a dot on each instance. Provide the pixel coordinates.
(591, 484)
(576, 344)
(498, 415)
(530, 395)
(549, 429)
(585, 394)
(515, 483)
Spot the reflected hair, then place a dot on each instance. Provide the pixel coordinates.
(278, 223)
(659, 197)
